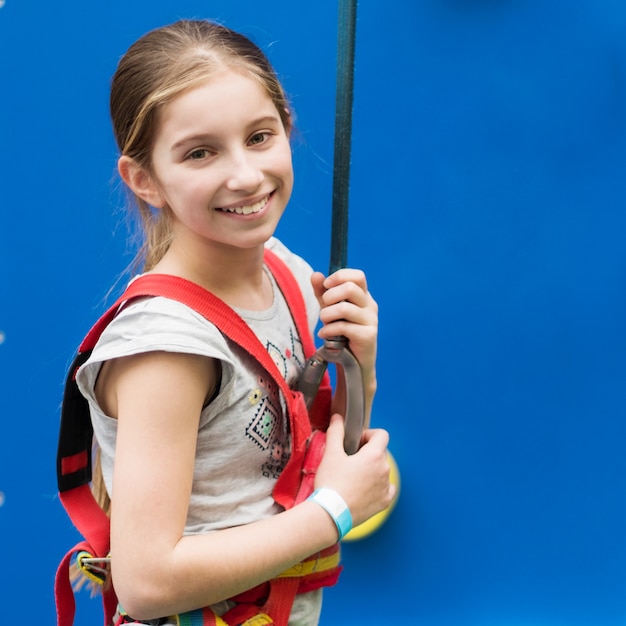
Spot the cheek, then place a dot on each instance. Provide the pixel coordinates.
(285, 164)
(188, 187)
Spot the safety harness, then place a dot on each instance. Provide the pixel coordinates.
(269, 603)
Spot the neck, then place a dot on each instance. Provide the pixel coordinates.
(235, 275)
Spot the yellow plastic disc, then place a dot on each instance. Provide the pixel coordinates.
(375, 522)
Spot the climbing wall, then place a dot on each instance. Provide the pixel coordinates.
(488, 208)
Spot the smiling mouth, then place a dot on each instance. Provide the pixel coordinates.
(247, 210)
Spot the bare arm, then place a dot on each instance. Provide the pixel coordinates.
(157, 570)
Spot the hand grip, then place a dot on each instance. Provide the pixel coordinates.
(335, 350)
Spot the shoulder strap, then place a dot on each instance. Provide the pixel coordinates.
(293, 295)
(319, 413)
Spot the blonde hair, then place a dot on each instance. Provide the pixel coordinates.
(156, 69)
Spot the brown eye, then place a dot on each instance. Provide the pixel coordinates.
(258, 138)
(200, 153)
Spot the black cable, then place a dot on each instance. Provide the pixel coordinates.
(346, 37)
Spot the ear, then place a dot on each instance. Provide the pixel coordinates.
(288, 123)
(140, 181)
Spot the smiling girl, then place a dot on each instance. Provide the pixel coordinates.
(194, 436)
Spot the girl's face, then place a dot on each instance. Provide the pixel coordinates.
(222, 163)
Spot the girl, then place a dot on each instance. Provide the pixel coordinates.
(193, 436)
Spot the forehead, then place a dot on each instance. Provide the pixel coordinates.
(225, 100)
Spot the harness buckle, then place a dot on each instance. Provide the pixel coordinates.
(95, 568)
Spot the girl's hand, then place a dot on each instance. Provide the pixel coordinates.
(347, 309)
(361, 479)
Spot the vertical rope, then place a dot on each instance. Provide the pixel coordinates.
(343, 134)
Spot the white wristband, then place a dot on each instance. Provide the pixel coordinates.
(336, 507)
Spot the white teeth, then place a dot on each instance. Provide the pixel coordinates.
(246, 210)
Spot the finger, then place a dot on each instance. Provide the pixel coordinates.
(317, 281)
(347, 275)
(335, 432)
(392, 492)
(349, 312)
(360, 336)
(346, 291)
(375, 436)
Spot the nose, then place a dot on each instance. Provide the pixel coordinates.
(244, 173)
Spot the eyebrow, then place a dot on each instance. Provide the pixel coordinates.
(201, 137)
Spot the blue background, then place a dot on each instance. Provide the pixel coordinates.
(488, 210)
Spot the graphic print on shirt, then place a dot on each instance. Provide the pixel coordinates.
(267, 428)
(290, 360)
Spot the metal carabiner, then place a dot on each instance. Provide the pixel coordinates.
(335, 350)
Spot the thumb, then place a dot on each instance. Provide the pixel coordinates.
(317, 281)
(335, 432)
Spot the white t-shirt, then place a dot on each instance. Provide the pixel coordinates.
(243, 441)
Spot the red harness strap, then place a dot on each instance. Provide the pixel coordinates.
(76, 433)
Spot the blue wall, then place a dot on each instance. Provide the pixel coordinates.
(488, 209)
